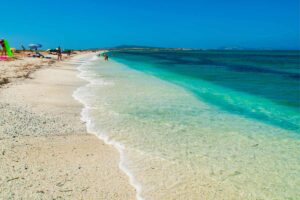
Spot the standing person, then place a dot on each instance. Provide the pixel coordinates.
(3, 47)
(59, 55)
(105, 57)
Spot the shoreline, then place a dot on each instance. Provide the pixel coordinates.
(119, 147)
(46, 147)
(169, 159)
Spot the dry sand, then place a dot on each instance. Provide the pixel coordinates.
(10, 70)
(45, 152)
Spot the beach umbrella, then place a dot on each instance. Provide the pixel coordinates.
(34, 46)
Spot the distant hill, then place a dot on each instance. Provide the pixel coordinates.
(135, 47)
(232, 48)
(237, 48)
(138, 47)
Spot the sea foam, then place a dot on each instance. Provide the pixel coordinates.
(85, 117)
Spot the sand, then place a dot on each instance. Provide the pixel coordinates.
(45, 152)
(21, 68)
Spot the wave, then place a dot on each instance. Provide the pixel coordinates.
(91, 128)
(171, 139)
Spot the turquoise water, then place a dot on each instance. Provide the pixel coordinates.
(260, 85)
(200, 124)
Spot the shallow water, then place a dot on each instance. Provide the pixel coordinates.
(211, 125)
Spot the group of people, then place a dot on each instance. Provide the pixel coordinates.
(105, 56)
(57, 50)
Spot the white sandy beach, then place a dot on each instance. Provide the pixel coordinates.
(46, 152)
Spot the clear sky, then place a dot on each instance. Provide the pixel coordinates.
(165, 23)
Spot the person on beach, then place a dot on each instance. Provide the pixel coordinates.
(3, 47)
(105, 57)
(59, 54)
